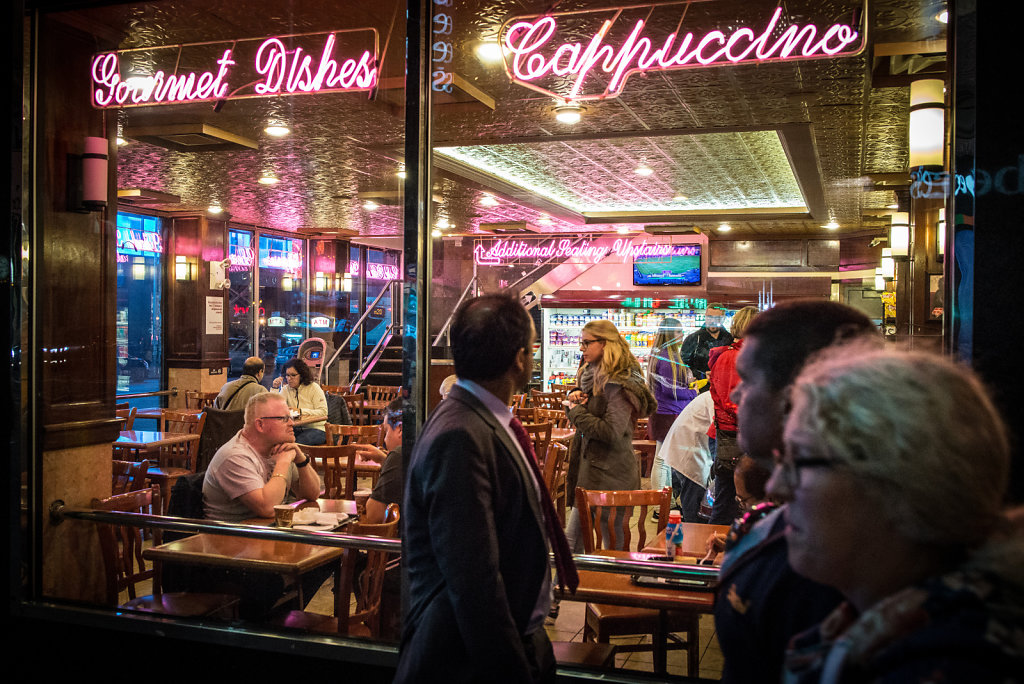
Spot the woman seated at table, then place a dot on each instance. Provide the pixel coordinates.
(895, 469)
(305, 400)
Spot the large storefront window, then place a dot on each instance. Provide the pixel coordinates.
(241, 306)
(139, 278)
(283, 325)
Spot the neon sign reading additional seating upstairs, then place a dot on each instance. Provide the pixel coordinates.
(536, 58)
(254, 67)
(504, 251)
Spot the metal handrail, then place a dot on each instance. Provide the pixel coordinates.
(59, 512)
(372, 357)
(173, 392)
(358, 325)
(448, 322)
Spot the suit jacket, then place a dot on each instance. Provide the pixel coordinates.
(475, 550)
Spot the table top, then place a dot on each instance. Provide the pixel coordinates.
(262, 555)
(147, 438)
(695, 538)
(347, 506)
(562, 434)
(156, 412)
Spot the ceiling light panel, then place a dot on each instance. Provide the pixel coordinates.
(722, 171)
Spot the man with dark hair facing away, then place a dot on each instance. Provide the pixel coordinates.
(761, 601)
(478, 519)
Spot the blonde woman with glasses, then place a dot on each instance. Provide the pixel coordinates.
(610, 395)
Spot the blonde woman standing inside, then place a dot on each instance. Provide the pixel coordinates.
(603, 408)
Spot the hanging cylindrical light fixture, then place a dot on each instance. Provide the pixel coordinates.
(888, 264)
(899, 234)
(879, 280)
(927, 122)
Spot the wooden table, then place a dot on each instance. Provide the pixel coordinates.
(619, 590)
(291, 559)
(147, 442)
(645, 447)
(157, 413)
(563, 435)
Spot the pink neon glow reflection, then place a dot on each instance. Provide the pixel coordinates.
(527, 41)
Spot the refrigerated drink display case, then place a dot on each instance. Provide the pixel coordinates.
(562, 327)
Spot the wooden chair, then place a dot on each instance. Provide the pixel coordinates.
(604, 621)
(364, 621)
(175, 460)
(127, 416)
(128, 476)
(547, 400)
(335, 389)
(640, 431)
(337, 466)
(526, 414)
(357, 408)
(518, 400)
(121, 405)
(121, 548)
(195, 399)
(540, 433)
(556, 417)
(383, 393)
(353, 434)
(555, 474)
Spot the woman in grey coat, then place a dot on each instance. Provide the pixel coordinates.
(609, 398)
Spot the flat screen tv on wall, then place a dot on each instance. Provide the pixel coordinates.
(681, 266)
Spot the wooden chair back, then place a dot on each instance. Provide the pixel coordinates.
(383, 393)
(121, 405)
(337, 466)
(540, 433)
(371, 581)
(556, 417)
(353, 434)
(127, 416)
(547, 400)
(640, 431)
(335, 389)
(518, 400)
(183, 456)
(526, 414)
(619, 506)
(128, 476)
(194, 399)
(555, 475)
(357, 408)
(121, 545)
(188, 422)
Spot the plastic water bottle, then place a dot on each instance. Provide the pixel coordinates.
(674, 534)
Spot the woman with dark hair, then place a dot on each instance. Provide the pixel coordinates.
(669, 380)
(306, 400)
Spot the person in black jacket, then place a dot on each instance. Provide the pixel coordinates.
(762, 602)
(698, 345)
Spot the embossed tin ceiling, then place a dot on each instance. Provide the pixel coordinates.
(711, 134)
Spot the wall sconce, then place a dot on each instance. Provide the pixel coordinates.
(321, 282)
(879, 280)
(940, 235)
(346, 282)
(287, 282)
(927, 122)
(888, 264)
(184, 269)
(139, 268)
(899, 234)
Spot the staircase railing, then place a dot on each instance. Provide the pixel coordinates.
(359, 377)
(393, 286)
(471, 287)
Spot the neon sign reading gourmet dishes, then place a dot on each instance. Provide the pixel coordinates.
(253, 67)
(533, 52)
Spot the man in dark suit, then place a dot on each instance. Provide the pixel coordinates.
(477, 518)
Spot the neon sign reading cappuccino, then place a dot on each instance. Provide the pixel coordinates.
(533, 51)
(260, 67)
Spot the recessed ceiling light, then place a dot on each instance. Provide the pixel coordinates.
(443, 223)
(401, 172)
(724, 227)
(892, 206)
(277, 130)
(215, 209)
(942, 17)
(268, 179)
(643, 170)
(370, 205)
(680, 198)
(121, 141)
(488, 201)
(488, 51)
(569, 113)
(545, 221)
(436, 233)
(831, 225)
(622, 230)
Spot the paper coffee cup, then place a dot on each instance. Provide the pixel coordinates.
(283, 515)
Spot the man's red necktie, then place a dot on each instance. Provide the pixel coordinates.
(567, 575)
